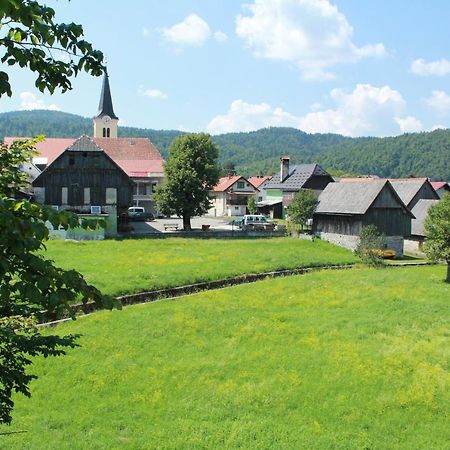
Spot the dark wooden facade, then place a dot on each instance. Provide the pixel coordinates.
(387, 212)
(78, 179)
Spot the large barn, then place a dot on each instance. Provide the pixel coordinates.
(137, 157)
(344, 208)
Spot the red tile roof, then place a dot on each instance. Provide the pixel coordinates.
(133, 155)
(439, 184)
(258, 181)
(225, 183)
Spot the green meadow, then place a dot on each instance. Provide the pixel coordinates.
(137, 265)
(354, 359)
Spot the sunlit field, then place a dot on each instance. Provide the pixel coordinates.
(130, 266)
(354, 359)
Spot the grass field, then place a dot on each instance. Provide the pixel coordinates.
(130, 266)
(353, 359)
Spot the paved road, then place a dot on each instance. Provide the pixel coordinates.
(157, 226)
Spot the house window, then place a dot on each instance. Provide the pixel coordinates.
(111, 196)
(87, 196)
(240, 185)
(64, 195)
(259, 199)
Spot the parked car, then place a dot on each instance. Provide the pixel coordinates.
(139, 213)
(236, 222)
(257, 222)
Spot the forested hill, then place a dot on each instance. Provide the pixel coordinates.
(258, 152)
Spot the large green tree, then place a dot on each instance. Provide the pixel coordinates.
(437, 231)
(31, 287)
(301, 207)
(190, 173)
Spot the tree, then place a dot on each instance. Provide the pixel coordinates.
(190, 173)
(371, 243)
(252, 205)
(31, 38)
(301, 207)
(31, 287)
(437, 231)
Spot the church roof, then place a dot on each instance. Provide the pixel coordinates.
(105, 106)
(133, 155)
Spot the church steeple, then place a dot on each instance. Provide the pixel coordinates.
(105, 123)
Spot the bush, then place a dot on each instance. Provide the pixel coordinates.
(371, 246)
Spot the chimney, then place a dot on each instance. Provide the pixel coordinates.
(284, 169)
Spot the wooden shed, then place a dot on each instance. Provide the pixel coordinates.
(344, 208)
(84, 176)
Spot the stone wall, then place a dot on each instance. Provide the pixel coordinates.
(351, 242)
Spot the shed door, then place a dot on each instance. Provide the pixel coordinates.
(75, 195)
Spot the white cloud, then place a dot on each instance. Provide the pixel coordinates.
(28, 101)
(312, 34)
(438, 127)
(145, 32)
(368, 110)
(439, 101)
(192, 31)
(409, 124)
(153, 93)
(220, 36)
(438, 68)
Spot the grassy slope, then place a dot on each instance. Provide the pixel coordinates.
(344, 360)
(128, 266)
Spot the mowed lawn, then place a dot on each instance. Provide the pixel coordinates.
(136, 265)
(354, 359)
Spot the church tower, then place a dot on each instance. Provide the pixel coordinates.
(105, 122)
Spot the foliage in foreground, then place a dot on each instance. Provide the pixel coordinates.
(30, 38)
(301, 209)
(337, 359)
(437, 230)
(371, 243)
(189, 174)
(29, 283)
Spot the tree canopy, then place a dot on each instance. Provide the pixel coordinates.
(31, 287)
(30, 38)
(189, 174)
(437, 231)
(302, 207)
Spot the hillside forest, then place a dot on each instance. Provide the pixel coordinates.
(425, 154)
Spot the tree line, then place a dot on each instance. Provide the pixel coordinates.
(258, 152)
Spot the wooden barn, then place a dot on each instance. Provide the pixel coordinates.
(411, 190)
(344, 208)
(84, 179)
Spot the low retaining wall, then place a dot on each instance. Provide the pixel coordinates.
(351, 242)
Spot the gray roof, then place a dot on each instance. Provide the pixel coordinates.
(84, 144)
(298, 176)
(105, 106)
(407, 189)
(354, 197)
(420, 210)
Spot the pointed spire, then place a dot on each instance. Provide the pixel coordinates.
(105, 106)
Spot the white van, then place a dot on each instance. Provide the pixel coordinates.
(257, 222)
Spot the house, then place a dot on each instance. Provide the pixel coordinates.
(137, 157)
(281, 188)
(441, 187)
(414, 242)
(344, 208)
(86, 180)
(230, 196)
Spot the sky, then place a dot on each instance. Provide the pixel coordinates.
(357, 68)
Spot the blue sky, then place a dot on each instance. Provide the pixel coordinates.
(356, 68)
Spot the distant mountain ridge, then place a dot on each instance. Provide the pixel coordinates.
(424, 154)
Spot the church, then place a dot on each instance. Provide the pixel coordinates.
(104, 171)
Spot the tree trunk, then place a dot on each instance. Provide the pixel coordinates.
(448, 272)
(186, 223)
